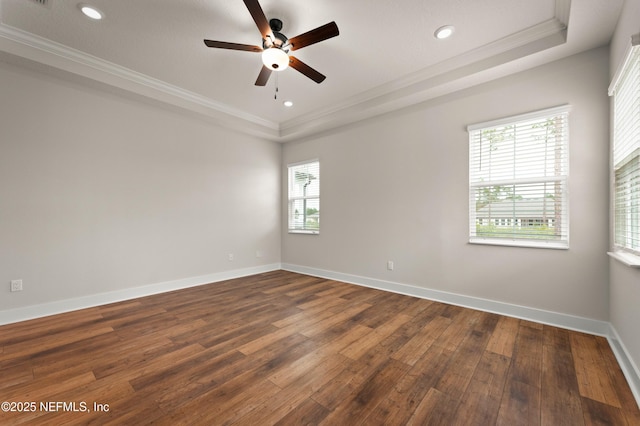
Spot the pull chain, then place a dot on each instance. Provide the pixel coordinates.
(275, 96)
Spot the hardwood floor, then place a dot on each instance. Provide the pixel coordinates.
(289, 349)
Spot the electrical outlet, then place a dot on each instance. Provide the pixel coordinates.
(230, 257)
(390, 265)
(259, 253)
(16, 285)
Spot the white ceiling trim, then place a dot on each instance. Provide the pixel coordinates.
(443, 78)
(44, 51)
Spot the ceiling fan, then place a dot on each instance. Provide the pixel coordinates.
(276, 46)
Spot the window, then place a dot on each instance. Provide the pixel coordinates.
(625, 90)
(304, 197)
(518, 173)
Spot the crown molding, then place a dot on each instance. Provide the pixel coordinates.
(49, 53)
(477, 66)
(438, 80)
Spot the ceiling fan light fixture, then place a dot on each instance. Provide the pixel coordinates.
(444, 32)
(275, 59)
(276, 46)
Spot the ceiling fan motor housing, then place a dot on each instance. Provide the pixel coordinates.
(280, 40)
(275, 24)
(275, 52)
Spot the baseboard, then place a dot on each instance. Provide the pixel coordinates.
(61, 306)
(586, 325)
(629, 368)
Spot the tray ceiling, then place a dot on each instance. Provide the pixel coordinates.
(385, 57)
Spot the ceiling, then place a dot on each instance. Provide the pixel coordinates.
(386, 56)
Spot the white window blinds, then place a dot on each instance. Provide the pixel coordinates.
(304, 197)
(626, 152)
(518, 173)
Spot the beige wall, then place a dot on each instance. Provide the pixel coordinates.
(100, 193)
(624, 296)
(395, 188)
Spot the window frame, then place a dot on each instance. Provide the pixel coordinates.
(292, 199)
(516, 237)
(625, 154)
(626, 205)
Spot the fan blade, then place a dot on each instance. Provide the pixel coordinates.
(258, 16)
(232, 46)
(306, 69)
(263, 77)
(314, 36)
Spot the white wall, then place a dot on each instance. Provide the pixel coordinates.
(395, 188)
(102, 193)
(624, 281)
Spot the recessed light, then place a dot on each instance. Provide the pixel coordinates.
(288, 104)
(444, 32)
(91, 12)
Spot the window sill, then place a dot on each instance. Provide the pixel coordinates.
(631, 260)
(527, 244)
(301, 231)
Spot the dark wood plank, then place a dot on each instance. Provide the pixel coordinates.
(520, 404)
(411, 390)
(463, 365)
(597, 413)
(308, 412)
(480, 403)
(365, 397)
(561, 402)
